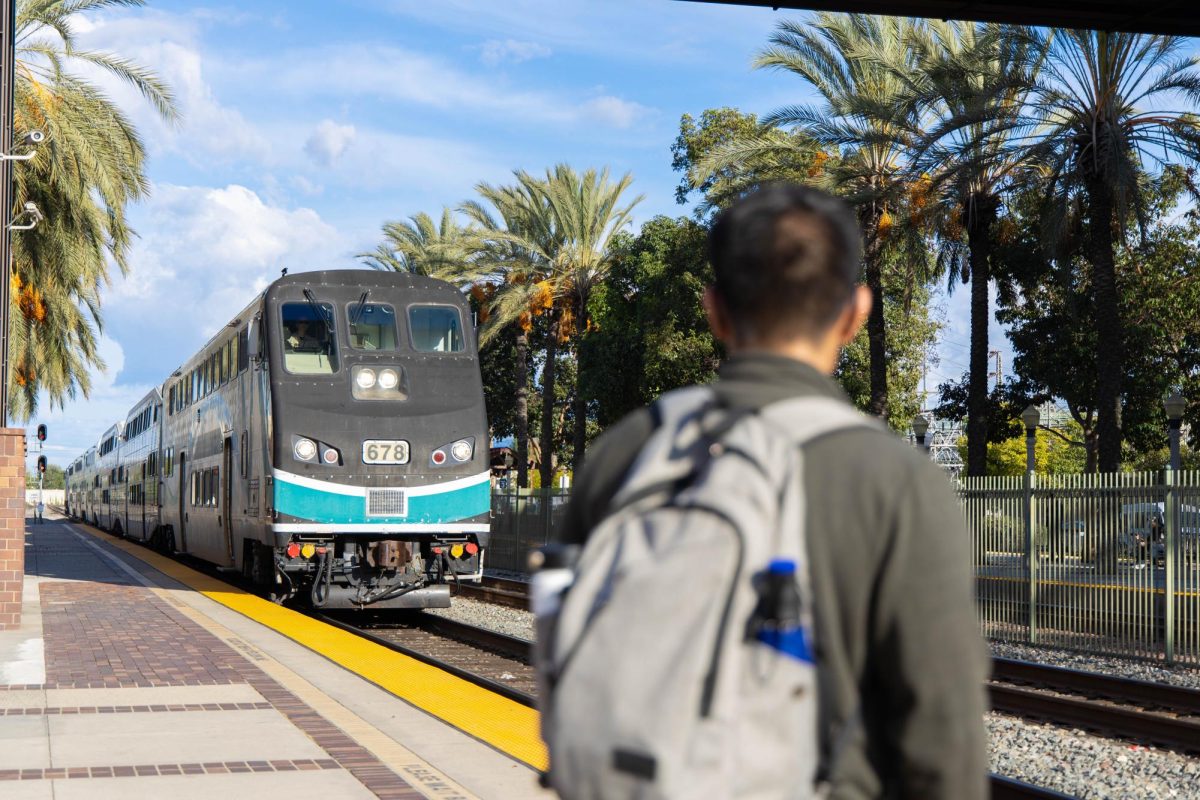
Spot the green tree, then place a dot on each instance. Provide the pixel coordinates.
(1108, 106)
(55, 478)
(650, 333)
(84, 175)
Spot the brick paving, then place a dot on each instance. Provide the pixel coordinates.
(114, 635)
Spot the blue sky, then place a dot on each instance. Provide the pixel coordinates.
(306, 125)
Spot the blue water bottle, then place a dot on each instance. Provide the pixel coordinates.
(778, 621)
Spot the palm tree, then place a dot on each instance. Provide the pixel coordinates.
(1109, 107)
(516, 236)
(83, 176)
(848, 60)
(556, 238)
(588, 211)
(418, 245)
(968, 94)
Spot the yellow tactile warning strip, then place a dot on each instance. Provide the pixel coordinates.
(508, 726)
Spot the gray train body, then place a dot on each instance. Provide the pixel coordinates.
(330, 442)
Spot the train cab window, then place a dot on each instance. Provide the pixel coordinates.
(372, 326)
(436, 329)
(309, 347)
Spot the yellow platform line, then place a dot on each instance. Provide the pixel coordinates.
(502, 723)
(1077, 585)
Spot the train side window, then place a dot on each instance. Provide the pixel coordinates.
(436, 329)
(309, 344)
(214, 488)
(243, 350)
(245, 456)
(372, 326)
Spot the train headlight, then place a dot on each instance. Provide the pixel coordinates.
(462, 450)
(365, 378)
(388, 379)
(304, 449)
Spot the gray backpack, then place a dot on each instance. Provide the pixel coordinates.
(657, 679)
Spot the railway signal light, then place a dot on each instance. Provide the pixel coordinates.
(41, 464)
(42, 432)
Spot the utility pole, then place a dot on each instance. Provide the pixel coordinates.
(999, 373)
(8, 62)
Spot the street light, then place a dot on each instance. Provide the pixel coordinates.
(1031, 417)
(920, 426)
(1174, 405)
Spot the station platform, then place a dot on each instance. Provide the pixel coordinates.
(133, 676)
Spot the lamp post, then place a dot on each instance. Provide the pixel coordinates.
(1174, 404)
(920, 426)
(1031, 417)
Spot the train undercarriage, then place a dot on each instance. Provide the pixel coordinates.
(356, 572)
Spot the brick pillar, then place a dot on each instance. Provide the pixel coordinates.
(12, 525)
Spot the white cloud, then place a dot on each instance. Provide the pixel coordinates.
(206, 252)
(614, 111)
(496, 51)
(327, 143)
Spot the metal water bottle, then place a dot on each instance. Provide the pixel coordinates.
(778, 622)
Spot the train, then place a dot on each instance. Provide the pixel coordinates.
(330, 443)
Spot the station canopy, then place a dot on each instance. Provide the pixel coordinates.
(1179, 18)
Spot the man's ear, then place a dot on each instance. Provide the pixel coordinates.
(718, 316)
(854, 316)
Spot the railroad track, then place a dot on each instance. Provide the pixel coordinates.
(1167, 716)
(498, 591)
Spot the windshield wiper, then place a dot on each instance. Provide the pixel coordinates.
(362, 307)
(322, 312)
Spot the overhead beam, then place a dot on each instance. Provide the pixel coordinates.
(1156, 16)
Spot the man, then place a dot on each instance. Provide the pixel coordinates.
(902, 665)
(302, 340)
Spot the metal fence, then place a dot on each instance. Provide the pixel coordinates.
(1101, 563)
(521, 521)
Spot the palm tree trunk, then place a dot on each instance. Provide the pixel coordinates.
(1110, 354)
(877, 336)
(579, 409)
(521, 401)
(547, 438)
(982, 215)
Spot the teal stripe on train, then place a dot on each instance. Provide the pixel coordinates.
(317, 505)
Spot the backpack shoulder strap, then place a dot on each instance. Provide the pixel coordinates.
(803, 419)
(666, 456)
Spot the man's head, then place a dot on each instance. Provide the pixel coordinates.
(787, 260)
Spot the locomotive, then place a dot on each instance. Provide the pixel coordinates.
(329, 442)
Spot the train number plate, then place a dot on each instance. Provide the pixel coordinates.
(385, 451)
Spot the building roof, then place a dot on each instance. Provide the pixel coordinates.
(1177, 17)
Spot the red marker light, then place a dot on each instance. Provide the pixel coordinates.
(320, 551)
(437, 551)
(472, 548)
(293, 550)
(439, 456)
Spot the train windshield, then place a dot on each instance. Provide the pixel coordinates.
(372, 326)
(309, 346)
(436, 329)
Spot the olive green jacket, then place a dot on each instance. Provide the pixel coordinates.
(902, 662)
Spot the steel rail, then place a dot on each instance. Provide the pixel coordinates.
(497, 591)
(485, 683)
(1147, 694)
(1175, 733)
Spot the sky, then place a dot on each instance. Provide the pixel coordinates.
(306, 125)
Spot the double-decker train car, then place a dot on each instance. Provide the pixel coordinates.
(330, 442)
(108, 479)
(137, 517)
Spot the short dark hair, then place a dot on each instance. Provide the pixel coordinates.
(786, 259)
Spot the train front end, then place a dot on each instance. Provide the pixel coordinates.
(379, 439)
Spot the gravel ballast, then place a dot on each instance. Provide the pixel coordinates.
(1106, 665)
